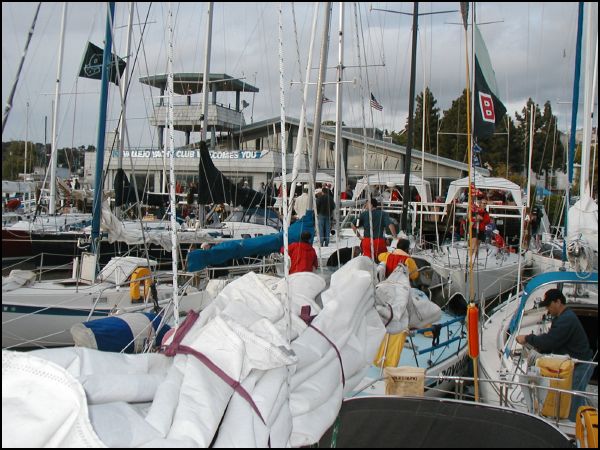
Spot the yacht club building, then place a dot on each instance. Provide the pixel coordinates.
(252, 152)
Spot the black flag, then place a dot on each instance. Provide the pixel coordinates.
(489, 110)
(91, 65)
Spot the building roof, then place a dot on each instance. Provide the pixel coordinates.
(259, 127)
(191, 83)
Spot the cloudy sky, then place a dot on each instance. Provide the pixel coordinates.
(531, 46)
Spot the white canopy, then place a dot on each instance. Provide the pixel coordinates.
(378, 179)
(18, 186)
(304, 177)
(583, 221)
(485, 183)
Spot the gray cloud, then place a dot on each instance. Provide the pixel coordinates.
(532, 51)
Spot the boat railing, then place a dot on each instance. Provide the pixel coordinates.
(502, 387)
(437, 330)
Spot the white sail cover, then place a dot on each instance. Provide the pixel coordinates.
(583, 221)
(118, 232)
(152, 400)
(43, 405)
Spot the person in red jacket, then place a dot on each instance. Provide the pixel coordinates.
(480, 218)
(302, 255)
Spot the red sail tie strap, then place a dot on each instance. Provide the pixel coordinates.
(391, 315)
(336, 351)
(176, 348)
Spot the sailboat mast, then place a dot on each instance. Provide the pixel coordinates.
(124, 82)
(173, 200)
(206, 71)
(301, 139)
(319, 103)
(574, 107)
(591, 55)
(411, 107)
(97, 206)
(54, 151)
(338, 123)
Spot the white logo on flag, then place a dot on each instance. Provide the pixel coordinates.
(487, 107)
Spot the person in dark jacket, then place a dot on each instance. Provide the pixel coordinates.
(381, 221)
(566, 337)
(325, 206)
(302, 255)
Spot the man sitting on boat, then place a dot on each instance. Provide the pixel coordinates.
(400, 256)
(566, 337)
(381, 220)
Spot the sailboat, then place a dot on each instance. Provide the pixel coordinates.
(520, 377)
(496, 270)
(41, 313)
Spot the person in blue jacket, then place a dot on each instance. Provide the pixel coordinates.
(565, 337)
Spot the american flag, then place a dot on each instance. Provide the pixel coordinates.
(375, 104)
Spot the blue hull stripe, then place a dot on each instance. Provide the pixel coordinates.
(14, 309)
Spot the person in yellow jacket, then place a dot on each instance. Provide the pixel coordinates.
(400, 256)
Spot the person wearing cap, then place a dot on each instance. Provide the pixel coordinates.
(381, 220)
(498, 240)
(301, 202)
(565, 337)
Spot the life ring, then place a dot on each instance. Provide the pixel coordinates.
(473, 330)
(140, 274)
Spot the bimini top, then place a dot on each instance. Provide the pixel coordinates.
(18, 186)
(485, 183)
(304, 177)
(192, 83)
(383, 178)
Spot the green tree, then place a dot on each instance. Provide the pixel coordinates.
(453, 129)
(13, 159)
(432, 118)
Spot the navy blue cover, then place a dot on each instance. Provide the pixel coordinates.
(257, 246)
(114, 334)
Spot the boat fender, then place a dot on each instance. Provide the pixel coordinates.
(586, 427)
(473, 330)
(141, 274)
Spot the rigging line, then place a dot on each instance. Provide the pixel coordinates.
(130, 80)
(365, 148)
(548, 129)
(8, 106)
(123, 98)
(249, 38)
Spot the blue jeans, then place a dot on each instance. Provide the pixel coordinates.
(324, 229)
(581, 378)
